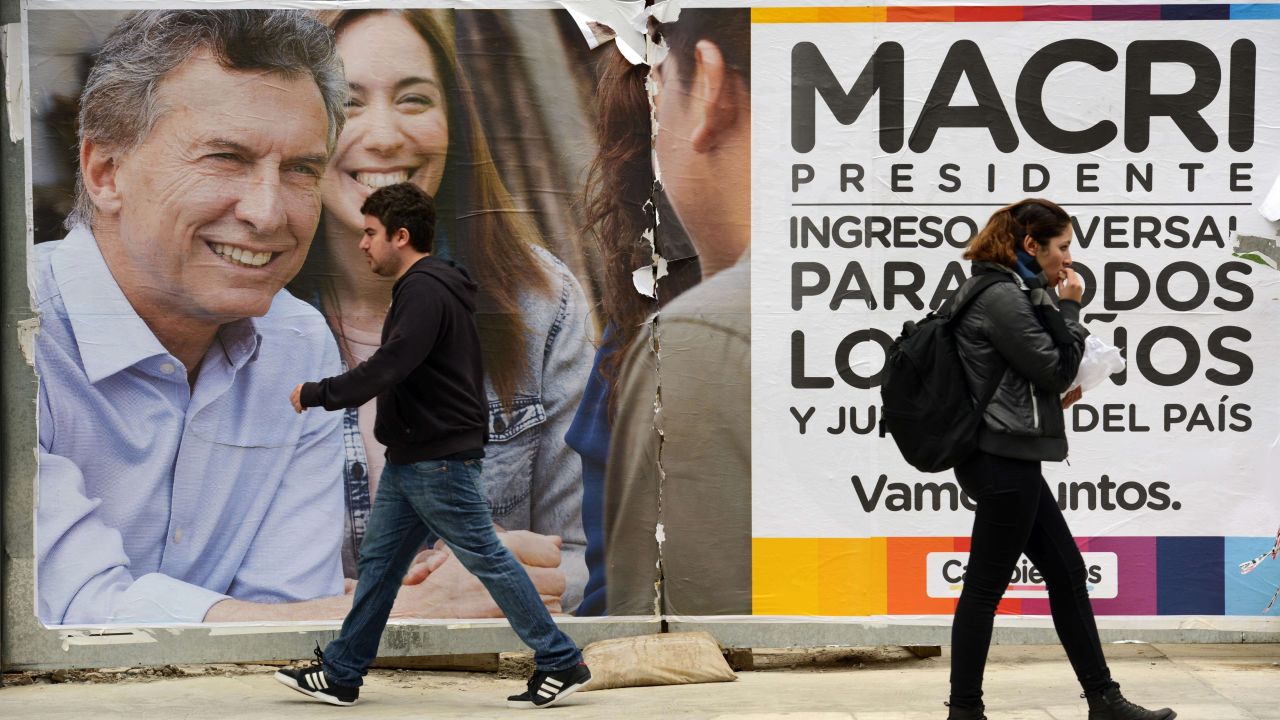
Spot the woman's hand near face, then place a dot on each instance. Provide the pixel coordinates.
(1069, 285)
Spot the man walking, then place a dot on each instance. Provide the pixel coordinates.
(429, 385)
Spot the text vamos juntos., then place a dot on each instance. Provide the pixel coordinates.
(1105, 494)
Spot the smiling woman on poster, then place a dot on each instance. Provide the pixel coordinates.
(411, 117)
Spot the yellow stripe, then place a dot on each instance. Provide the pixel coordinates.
(819, 576)
(819, 15)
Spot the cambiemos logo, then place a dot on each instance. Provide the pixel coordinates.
(946, 576)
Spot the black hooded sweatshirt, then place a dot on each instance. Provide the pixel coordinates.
(427, 375)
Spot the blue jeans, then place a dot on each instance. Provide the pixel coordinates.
(416, 504)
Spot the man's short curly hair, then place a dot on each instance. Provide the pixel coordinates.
(404, 205)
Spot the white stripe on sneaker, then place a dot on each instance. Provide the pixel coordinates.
(554, 682)
(315, 680)
(324, 681)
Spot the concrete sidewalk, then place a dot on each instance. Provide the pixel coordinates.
(1202, 682)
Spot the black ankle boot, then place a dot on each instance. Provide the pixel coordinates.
(1109, 704)
(959, 713)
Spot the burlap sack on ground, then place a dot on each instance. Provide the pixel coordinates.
(666, 659)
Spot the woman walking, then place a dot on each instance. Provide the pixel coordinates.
(1017, 334)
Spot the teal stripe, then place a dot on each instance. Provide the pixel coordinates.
(1255, 11)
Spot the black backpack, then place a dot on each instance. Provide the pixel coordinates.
(927, 406)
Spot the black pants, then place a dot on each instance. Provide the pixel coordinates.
(1017, 513)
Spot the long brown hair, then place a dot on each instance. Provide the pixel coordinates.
(618, 207)
(484, 231)
(1003, 233)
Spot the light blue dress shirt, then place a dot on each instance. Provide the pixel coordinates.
(158, 499)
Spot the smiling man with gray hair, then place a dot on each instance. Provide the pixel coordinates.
(171, 469)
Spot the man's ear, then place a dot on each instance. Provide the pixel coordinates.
(715, 88)
(400, 238)
(98, 173)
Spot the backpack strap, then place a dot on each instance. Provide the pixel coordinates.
(969, 291)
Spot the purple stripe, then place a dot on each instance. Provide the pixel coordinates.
(1137, 577)
(1126, 12)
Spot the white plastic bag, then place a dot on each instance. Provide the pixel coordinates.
(1100, 361)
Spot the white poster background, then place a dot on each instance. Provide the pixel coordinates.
(1218, 482)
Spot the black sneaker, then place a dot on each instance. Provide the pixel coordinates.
(312, 682)
(547, 689)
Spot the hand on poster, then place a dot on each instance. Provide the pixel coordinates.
(437, 585)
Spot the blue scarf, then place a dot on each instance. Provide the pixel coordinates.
(1026, 267)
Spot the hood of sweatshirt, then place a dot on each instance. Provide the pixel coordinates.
(449, 273)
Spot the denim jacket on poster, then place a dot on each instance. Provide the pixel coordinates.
(531, 479)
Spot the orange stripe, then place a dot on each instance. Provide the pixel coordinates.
(818, 15)
(908, 579)
(922, 14)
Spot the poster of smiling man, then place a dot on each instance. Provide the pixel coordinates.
(197, 180)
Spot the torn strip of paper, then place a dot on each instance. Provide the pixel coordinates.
(1251, 565)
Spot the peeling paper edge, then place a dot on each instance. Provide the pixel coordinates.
(595, 33)
(104, 637)
(619, 16)
(16, 101)
(1269, 208)
(27, 330)
(658, 269)
(1266, 247)
(645, 279)
(629, 21)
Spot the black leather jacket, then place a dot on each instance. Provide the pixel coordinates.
(1021, 333)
